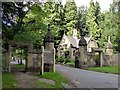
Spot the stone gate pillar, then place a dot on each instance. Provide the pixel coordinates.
(82, 51)
(49, 49)
(49, 40)
(58, 53)
(71, 52)
(109, 51)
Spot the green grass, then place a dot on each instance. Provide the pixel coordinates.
(41, 84)
(109, 69)
(20, 66)
(8, 80)
(58, 78)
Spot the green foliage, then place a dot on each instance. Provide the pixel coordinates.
(41, 84)
(92, 16)
(34, 27)
(54, 17)
(19, 66)
(31, 26)
(83, 14)
(67, 59)
(70, 63)
(14, 16)
(61, 59)
(8, 80)
(110, 28)
(58, 78)
(111, 69)
(118, 31)
(70, 11)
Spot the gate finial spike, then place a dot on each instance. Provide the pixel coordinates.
(48, 27)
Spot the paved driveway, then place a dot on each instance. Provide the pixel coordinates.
(88, 79)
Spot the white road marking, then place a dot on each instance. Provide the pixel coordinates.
(76, 82)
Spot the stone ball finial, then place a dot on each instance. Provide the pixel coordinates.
(48, 37)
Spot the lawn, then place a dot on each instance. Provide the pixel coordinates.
(108, 69)
(20, 66)
(58, 78)
(8, 80)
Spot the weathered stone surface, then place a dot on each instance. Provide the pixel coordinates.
(48, 56)
(48, 81)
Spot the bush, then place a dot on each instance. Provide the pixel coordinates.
(70, 63)
(67, 59)
(61, 59)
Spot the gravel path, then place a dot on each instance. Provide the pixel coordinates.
(25, 80)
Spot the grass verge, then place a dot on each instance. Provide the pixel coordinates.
(57, 77)
(20, 66)
(8, 80)
(110, 69)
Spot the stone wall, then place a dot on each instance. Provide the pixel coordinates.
(5, 61)
(34, 59)
(111, 60)
(90, 60)
(116, 59)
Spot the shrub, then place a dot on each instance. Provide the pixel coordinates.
(67, 59)
(70, 63)
(61, 59)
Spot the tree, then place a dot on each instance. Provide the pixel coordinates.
(110, 27)
(82, 11)
(12, 19)
(93, 22)
(99, 18)
(28, 24)
(56, 18)
(34, 26)
(70, 16)
(118, 31)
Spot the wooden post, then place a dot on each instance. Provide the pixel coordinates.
(42, 62)
(9, 58)
(101, 59)
(54, 60)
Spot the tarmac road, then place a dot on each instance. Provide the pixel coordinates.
(88, 79)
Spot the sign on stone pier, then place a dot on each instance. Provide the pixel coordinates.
(48, 56)
(49, 60)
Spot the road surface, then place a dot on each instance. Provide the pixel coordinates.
(88, 79)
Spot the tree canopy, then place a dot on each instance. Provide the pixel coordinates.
(28, 21)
